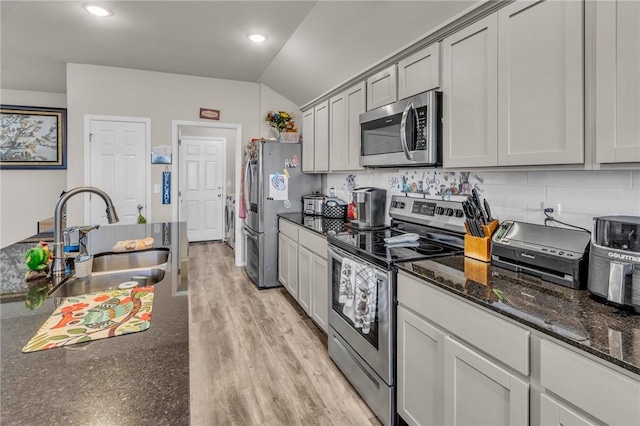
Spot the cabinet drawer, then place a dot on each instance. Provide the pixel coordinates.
(288, 229)
(502, 340)
(596, 389)
(314, 243)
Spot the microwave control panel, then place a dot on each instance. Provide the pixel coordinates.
(421, 134)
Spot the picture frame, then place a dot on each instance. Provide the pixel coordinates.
(33, 137)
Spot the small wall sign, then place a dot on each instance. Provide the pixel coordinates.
(210, 114)
(166, 187)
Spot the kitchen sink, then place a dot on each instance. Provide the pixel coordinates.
(111, 280)
(132, 260)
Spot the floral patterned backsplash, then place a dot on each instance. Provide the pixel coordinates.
(429, 183)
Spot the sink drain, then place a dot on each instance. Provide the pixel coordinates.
(128, 284)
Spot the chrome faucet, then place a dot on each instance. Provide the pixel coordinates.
(58, 269)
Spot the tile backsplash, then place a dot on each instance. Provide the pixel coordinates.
(576, 196)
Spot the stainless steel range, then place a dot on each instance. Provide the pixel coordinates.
(362, 328)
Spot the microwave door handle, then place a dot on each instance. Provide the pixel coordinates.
(403, 131)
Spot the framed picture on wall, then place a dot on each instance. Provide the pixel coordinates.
(33, 137)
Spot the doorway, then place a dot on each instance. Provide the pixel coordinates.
(116, 161)
(184, 129)
(202, 187)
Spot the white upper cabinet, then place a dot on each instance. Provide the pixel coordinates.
(308, 140)
(315, 140)
(382, 88)
(321, 139)
(540, 83)
(470, 95)
(617, 46)
(419, 72)
(344, 128)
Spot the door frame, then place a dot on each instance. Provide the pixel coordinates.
(87, 158)
(175, 130)
(224, 175)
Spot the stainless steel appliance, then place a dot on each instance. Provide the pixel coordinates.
(370, 207)
(406, 133)
(271, 191)
(367, 359)
(230, 220)
(558, 255)
(614, 264)
(312, 204)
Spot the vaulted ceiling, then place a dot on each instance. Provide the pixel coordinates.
(312, 46)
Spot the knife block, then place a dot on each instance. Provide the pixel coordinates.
(479, 248)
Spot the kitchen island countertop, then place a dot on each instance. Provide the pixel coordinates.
(569, 315)
(140, 378)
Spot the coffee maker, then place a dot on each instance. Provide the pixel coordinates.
(614, 262)
(370, 207)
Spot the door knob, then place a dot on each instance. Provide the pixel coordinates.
(219, 195)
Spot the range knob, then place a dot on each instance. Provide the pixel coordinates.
(439, 210)
(458, 213)
(449, 212)
(394, 204)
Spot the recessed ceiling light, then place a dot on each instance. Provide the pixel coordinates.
(97, 10)
(257, 38)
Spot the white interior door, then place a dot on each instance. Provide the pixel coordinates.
(202, 173)
(118, 157)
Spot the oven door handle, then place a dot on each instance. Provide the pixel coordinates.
(403, 131)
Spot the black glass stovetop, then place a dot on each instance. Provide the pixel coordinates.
(370, 245)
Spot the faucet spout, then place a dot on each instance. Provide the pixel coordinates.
(58, 269)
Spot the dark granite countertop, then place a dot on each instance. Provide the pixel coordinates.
(563, 313)
(318, 224)
(139, 378)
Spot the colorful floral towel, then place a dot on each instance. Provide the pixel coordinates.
(95, 316)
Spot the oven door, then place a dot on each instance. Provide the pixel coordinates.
(375, 347)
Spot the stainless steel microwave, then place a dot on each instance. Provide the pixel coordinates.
(407, 133)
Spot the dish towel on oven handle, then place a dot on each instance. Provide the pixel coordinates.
(366, 291)
(347, 279)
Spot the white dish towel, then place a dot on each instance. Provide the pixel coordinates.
(366, 292)
(347, 277)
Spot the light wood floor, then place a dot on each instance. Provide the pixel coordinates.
(255, 356)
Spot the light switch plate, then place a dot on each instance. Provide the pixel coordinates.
(156, 188)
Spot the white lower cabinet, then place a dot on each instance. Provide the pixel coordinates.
(302, 270)
(554, 413)
(444, 381)
(477, 391)
(305, 281)
(420, 370)
(288, 260)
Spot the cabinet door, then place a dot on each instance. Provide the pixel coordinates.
(320, 289)
(356, 98)
(477, 391)
(338, 141)
(308, 138)
(321, 149)
(288, 264)
(553, 413)
(419, 72)
(541, 84)
(470, 95)
(617, 81)
(420, 370)
(305, 278)
(382, 88)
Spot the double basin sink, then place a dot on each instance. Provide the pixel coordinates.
(111, 270)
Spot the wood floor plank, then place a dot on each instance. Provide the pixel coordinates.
(255, 357)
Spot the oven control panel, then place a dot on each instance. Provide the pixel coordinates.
(436, 213)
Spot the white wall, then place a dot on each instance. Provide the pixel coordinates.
(162, 97)
(28, 196)
(520, 195)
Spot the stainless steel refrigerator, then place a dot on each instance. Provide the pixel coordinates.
(274, 183)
